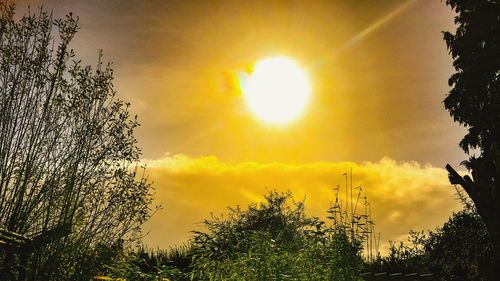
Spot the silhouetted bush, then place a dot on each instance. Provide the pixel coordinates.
(274, 240)
(143, 264)
(458, 250)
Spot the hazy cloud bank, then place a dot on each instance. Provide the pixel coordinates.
(403, 195)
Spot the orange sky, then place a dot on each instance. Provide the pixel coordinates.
(378, 70)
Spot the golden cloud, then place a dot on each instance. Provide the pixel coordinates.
(403, 195)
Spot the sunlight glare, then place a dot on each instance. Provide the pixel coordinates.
(277, 91)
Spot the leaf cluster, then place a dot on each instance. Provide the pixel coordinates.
(461, 249)
(474, 100)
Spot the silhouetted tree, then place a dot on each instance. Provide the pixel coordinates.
(68, 155)
(474, 101)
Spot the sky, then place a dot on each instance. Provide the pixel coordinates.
(378, 72)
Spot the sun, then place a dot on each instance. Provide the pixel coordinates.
(277, 91)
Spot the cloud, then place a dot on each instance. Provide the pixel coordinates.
(403, 195)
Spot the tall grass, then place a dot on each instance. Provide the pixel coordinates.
(273, 240)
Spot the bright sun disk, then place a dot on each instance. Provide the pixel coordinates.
(277, 91)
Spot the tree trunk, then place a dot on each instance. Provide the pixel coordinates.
(486, 197)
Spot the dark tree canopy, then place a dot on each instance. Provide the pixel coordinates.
(474, 102)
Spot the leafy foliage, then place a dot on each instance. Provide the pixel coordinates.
(68, 155)
(405, 257)
(274, 240)
(474, 102)
(249, 245)
(142, 264)
(459, 250)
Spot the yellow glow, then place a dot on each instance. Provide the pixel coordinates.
(277, 91)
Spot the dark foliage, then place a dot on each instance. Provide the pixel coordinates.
(456, 251)
(460, 249)
(474, 102)
(274, 240)
(70, 182)
(143, 264)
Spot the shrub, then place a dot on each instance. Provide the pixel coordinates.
(274, 240)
